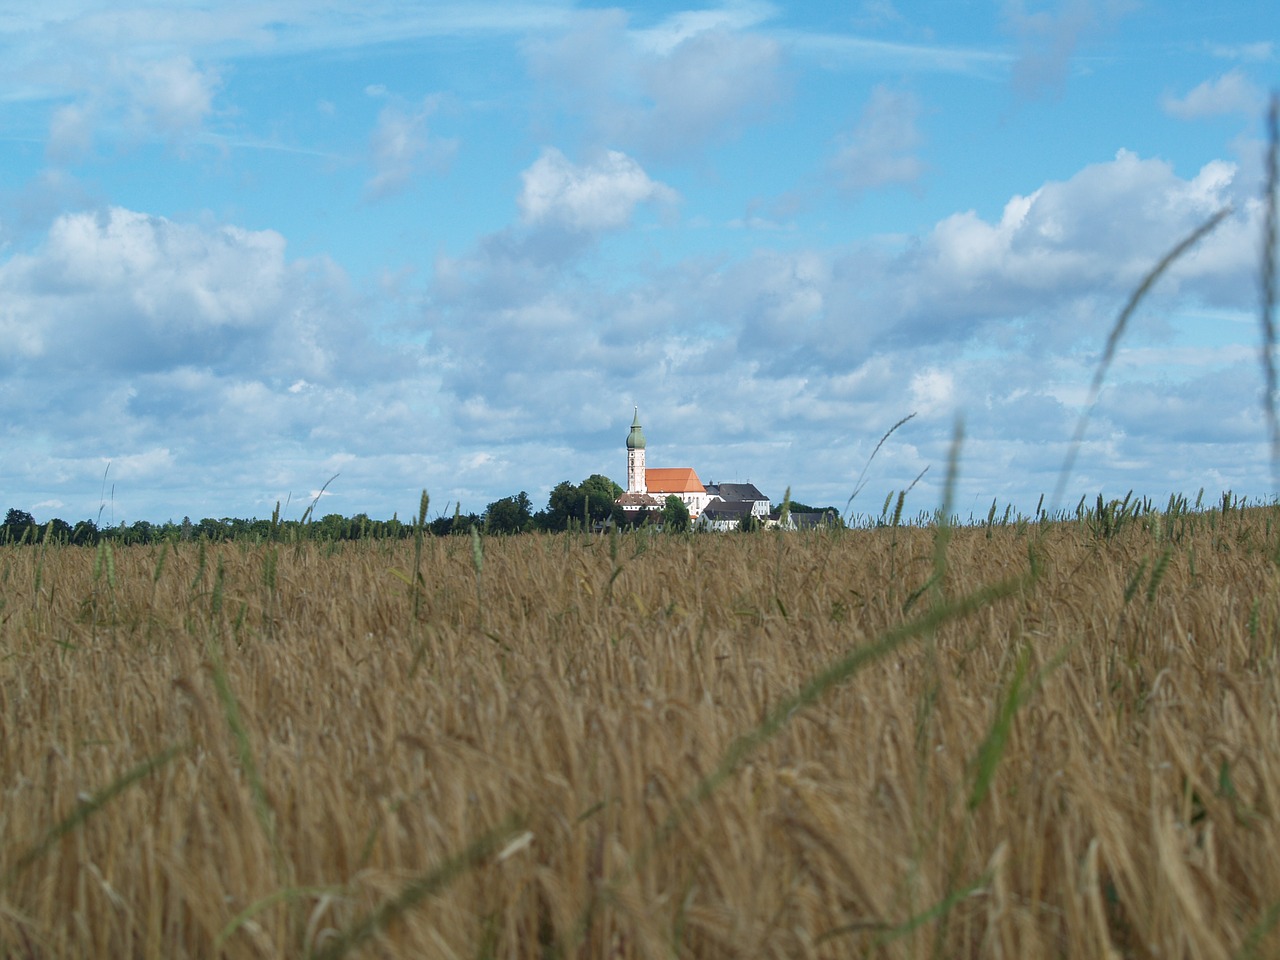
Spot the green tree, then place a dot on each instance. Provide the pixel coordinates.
(510, 514)
(85, 533)
(564, 504)
(599, 492)
(458, 523)
(211, 529)
(141, 531)
(360, 526)
(332, 526)
(59, 530)
(18, 525)
(592, 500)
(675, 515)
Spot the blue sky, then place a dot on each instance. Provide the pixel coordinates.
(245, 247)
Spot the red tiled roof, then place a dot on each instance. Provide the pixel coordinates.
(672, 480)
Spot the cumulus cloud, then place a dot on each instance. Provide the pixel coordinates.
(880, 150)
(403, 148)
(566, 211)
(1099, 231)
(169, 99)
(665, 91)
(222, 371)
(1051, 268)
(118, 286)
(203, 362)
(591, 198)
(933, 391)
(1230, 94)
(829, 342)
(155, 462)
(170, 96)
(118, 296)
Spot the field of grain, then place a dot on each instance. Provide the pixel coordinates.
(1007, 740)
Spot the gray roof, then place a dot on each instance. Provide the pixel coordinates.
(734, 492)
(722, 510)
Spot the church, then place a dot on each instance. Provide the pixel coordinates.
(648, 487)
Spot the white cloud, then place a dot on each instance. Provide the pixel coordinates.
(226, 374)
(880, 151)
(1096, 234)
(138, 99)
(153, 463)
(599, 196)
(933, 392)
(120, 291)
(668, 90)
(402, 148)
(998, 320)
(894, 58)
(169, 96)
(685, 25)
(1230, 94)
(173, 351)
(1259, 51)
(165, 271)
(46, 44)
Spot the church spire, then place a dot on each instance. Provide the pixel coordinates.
(635, 440)
(635, 457)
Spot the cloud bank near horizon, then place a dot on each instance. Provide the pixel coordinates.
(402, 305)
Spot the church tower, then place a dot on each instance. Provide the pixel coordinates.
(635, 457)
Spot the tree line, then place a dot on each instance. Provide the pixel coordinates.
(584, 505)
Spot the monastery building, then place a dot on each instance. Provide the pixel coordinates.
(648, 487)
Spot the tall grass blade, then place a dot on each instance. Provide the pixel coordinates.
(861, 481)
(1259, 933)
(419, 531)
(942, 533)
(309, 513)
(255, 908)
(244, 750)
(889, 933)
(810, 692)
(89, 807)
(1267, 279)
(1113, 341)
(992, 748)
(419, 889)
(842, 670)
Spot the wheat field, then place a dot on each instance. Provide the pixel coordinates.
(1052, 739)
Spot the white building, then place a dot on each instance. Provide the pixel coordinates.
(648, 487)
